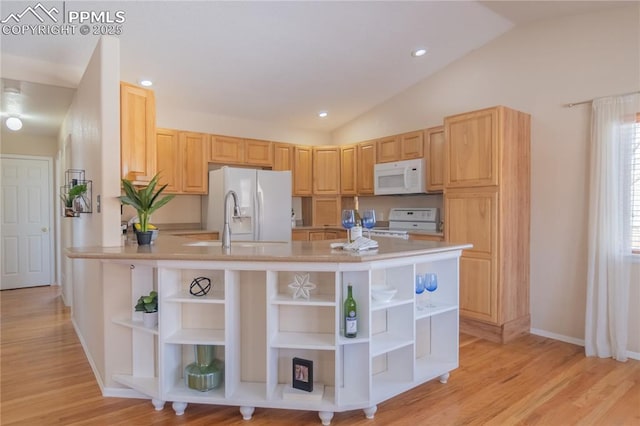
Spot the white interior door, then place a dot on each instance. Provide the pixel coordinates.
(26, 222)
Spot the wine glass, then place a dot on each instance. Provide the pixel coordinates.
(420, 287)
(430, 284)
(369, 220)
(348, 221)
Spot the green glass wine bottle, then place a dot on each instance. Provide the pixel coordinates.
(350, 315)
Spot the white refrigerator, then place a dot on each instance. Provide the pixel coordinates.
(264, 198)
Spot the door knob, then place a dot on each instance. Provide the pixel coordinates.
(44, 229)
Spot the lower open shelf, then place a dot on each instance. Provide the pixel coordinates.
(180, 392)
(145, 385)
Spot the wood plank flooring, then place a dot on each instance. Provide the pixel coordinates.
(46, 380)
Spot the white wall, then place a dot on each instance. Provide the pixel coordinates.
(536, 69)
(93, 127)
(168, 117)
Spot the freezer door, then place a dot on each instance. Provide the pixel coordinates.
(273, 205)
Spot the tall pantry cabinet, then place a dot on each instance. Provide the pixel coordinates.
(487, 203)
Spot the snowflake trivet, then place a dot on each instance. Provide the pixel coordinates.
(301, 286)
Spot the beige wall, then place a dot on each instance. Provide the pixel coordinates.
(536, 69)
(91, 131)
(24, 144)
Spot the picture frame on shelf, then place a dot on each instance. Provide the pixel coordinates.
(302, 374)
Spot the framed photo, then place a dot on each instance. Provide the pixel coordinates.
(302, 374)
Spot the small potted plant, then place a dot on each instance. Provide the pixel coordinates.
(149, 306)
(69, 198)
(145, 200)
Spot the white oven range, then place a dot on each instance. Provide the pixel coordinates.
(404, 220)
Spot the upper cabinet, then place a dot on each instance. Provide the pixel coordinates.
(348, 169)
(434, 153)
(366, 160)
(302, 170)
(472, 149)
(226, 149)
(258, 152)
(282, 156)
(388, 149)
(137, 133)
(411, 145)
(168, 164)
(326, 170)
(193, 153)
(182, 161)
(231, 150)
(406, 146)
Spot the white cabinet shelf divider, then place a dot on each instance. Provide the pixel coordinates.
(197, 336)
(387, 342)
(438, 308)
(135, 324)
(186, 297)
(180, 392)
(314, 300)
(292, 340)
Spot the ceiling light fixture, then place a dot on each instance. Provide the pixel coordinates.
(146, 83)
(323, 114)
(418, 52)
(14, 123)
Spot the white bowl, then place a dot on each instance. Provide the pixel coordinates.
(383, 293)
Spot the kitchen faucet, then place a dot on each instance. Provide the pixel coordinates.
(226, 232)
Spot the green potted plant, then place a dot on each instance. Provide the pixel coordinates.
(70, 196)
(149, 306)
(145, 200)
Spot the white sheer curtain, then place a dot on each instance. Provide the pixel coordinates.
(609, 251)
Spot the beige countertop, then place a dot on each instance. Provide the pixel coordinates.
(168, 247)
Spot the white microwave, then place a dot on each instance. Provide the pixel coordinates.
(401, 177)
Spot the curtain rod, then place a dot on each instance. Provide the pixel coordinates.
(572, 104)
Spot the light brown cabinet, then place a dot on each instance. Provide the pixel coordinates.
(226, 149)
(326, 211)
(492, 212)
(168, 163)
(317, 234)
(282, 156)
(473, 144)
(405, 146)
(365, 163)
(388, 149)
(200, 236)
(411, 145)
(137, 133)
(302, 170)
(258, 153)
(193, 152)
(434, 153)
(182, 161)
(326, 170)
(232, 150)
(348, 170)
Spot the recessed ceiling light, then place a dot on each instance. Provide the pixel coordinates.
(419, 52)
(323, 114)
(146, 83)
(14, 123)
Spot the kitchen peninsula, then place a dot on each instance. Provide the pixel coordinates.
(257, 325)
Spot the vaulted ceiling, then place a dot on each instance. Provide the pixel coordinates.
(281, 62)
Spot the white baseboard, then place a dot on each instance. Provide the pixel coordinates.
(573, 340)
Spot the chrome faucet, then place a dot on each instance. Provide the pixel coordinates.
(226, 232)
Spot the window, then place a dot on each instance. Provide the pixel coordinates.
(635, 189)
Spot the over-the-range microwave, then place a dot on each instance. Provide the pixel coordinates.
(401, 177)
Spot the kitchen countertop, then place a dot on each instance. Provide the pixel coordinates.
(169, 247)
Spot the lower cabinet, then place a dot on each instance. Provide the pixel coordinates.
(258, 319)
(317, 234)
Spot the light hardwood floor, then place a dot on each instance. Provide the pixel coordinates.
(46, 380)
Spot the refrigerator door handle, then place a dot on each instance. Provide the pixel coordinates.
(259, 218)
